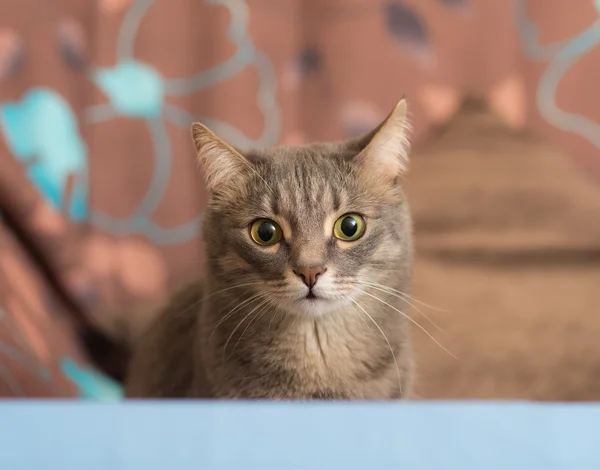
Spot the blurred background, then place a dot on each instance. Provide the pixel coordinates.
(101, 199)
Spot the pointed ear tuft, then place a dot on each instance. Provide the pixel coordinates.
(386, 154)
(223, 166)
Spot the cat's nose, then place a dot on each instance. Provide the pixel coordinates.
(309, 274)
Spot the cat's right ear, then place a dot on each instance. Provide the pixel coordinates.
(384, 152)
(223, 166)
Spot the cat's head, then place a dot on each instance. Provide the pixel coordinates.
(305, 228)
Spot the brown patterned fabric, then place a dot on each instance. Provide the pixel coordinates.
(96, 98)
(34, 337)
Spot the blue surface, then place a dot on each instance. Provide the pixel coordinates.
(283, 436)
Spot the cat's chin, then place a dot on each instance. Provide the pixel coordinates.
(313, 306)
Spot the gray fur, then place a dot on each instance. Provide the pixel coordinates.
(277, 344)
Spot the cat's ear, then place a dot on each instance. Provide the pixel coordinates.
(223, 165)
(384, 155)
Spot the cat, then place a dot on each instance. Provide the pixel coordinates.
(308, 266)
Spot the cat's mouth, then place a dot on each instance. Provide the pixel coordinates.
(314, 297)
(317, 302)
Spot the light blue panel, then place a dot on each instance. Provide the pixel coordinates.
(285, 436)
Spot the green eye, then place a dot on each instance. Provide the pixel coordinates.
(265, 232)
(349, 227)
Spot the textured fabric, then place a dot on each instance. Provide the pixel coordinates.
(96, 100)
(39, 354)
(508, 249)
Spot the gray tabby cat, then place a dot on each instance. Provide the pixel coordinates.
(302, 243)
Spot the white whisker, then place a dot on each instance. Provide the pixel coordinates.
(414, 299)
(401, 296)
(388, 343)
(199, 301)
(275, 312)
(256, 296)
(417, 324)
(232, 287)
(358, 313)
(240, 324)
(258, 314)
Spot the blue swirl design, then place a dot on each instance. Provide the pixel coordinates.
(560, 58)
(42, 131)
(91, 384)
(137, 90)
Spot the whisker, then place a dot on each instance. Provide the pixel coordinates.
(388, 343)
(414, 322)
(271, 320)
(411, 297)
(250, 299)
(358, 313)
(240, 324)
(385, 289)
(432, 307)
(276, 311)
(233, 287)
(258, 314)
(420, 302)
(199, 301)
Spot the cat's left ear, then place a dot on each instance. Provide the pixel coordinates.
(385, 156)
(224, 167)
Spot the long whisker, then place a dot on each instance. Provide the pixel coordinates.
(275, 313)
(411, 297)
(417, 324)
(252, 298)
(358, 313)
(199, 301)
(387, 341)
(232, 287)
(432, 307)
(258, 295)
(258, 314)
(390, 291)
(271, 320)
(240, 324)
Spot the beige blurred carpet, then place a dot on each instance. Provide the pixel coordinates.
(508, 243)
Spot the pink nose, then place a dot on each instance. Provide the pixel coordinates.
(309, 274)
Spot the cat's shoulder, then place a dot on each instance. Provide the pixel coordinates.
(159, 366)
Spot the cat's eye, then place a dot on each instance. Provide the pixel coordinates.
(349, 227)
(265, 232)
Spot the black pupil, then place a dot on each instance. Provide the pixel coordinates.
(266, 231)
(349, 226)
